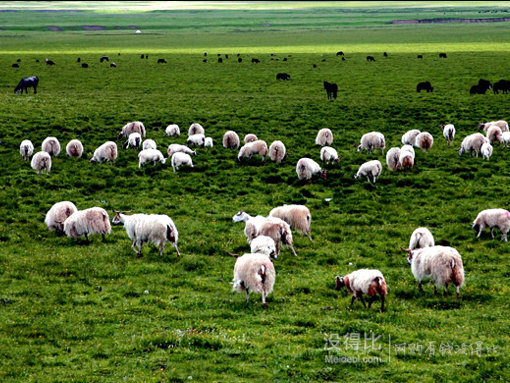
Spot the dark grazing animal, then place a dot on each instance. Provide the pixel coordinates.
(142, 56)
(254, 60)
(239, 60)
(370, 58)
(420, 56)
(162, 61)
(339, 53)
(478, 89)
(385, 54)
(15, 65)
(49, 62)
(26, 83)
(283, 76)
(314, 66)
(18, 60)
(284, 59)
(331, 89)
(78, 60)
(113, 65)
(204, 60)
(220, 60)
(104, 58)
(425, 85)
(226, 56)
(501, 85)
(442, 55)
(84, 65)
(343, 58)
(323, 60)
(205, 54)
(486, 83)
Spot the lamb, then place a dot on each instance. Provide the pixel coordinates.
(410, 136)
(106, 152)
(392, 158)
(149, 144)
(132, 127)
(51, 146)
(134, 141)
(297, 216)
(41, 161)
(174, 148)
(406, 157)
(252, 224)
(370, 168)
(57, 214)
(372, 140)
(492, 218)
(196, 140)
(278, 230)
(86, 222)
(254, 272)
(324, 137)
(503, 125)
(486, 150)
(250, 137)
(421, 237)
(472, 143)
(208, 142)
(26, 149)
(256, 147)
(306, 168)
(230, 140)
(505, 139)
(277, 151)
(442, 264)
(449, 133)
(173, 130)
(329, 154)
(424, 141)
(153, 228)
(494, 134)
(74, 148)
(364, 281)
(195, 128)
(153, 155)
(179, 159)
(263, 245)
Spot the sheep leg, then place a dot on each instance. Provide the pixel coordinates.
(420, 288)
(177, 250)
(104, 238)
(503, 238)
(492, 232)
(479, 231)
(264, 305)
(140, 244)
(383, 298)
(161, 248)
(247, 291)
(293, 251)
(309, 235)
(368, 179)
(362, 300)
(133, 246)
(353, 299)
(87, 237)
(444, 290)
(371, 300)
(458, 292)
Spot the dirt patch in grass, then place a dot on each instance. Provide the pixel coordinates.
(93, 27)
(54, 28)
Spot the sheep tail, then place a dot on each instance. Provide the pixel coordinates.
(457, 273)
(308, 218)
(450, 134)
(262, 273)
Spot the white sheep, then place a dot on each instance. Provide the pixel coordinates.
(74, 148)
(254, 272)
(251, 148)
(449, 133)
(208, 143)
(173, 130)
(472, 144)
(26, 149)
(486, 150)
(421, 237)
(153, 228)
(324, 137)
(442, 264)
(132, 127)
(494, 134)
(503, 125)
(263, 245)
(370, 169)
(86, 222)
(250, 137)
(277, 151)
(195, 128)
(149, 144)
(492, 218)
(392, 158)
(424, 141)
(231, 140)
(174, 148)
(297, 216)
(252, 224)
(106, 152)
(406, 157)
(51, 146)
(364, 281)
(134, 141)
(409, 137)
(278, 230)
(372, 140)
(153, 155)
(306, 168)
(41, 161)
(196, 140)
(179, 159)
(57, 214)
(505, 139)
(329, 154)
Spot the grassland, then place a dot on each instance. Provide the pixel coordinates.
(86, 312)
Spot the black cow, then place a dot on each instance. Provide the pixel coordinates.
(385, 54)
(477, 89)
(331, 89)
(420, 56)
(49, 62)
(501, 85)
(239, 60)
(254, 60)
(113, 65)
(220, 60)
(84, 65)
(442, 55)
(425, 85)
(283, 76)
(15, 65)
(104, 58)
(485, 83)
(370, 58)
(78, 60)
(26, 83)
(339, 53)
(162, 61)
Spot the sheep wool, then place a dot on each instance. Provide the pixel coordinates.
(179, 159)
(106, 152)
(364, 281)
(26, 149)
(505, 139)
(409, 137)
(421, 237)
(148, 155)
(449, 133)
(370, 169)
(196, 139)
(208, 143)
(424, 141)
(195, 128)
(58, 213)
(174, 148)
(255, 147)
(329, 154)
(250, 137)
(74, 148)
(324, 137)
(41, 161)
(486, 150)
(406, 157)
(252, 224)
(149, 144)
(51, 146)
(297, 216)
(132, 127)
(264, 245)
(503, 125)
(134, 141)
(231, 140)
(372, 140)
(472, 144)
(494, 134)
(492, 218)
(277, 151)
(173, 130)
(306, 168)
(392, 158)
(279, 231)
(86, 222)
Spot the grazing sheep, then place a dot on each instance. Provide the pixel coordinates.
(254, 272)
(106, 152)
(208, 142)
(51, 146)
(372, 140)
(442, 264)
(371, 168)
(195, 128)
(252, 224)
(329, 154)
(277, 151)
(297, 216)
(324, 137)
(89, 221)
(149, 144)
(41, 161)
(364, 281)
(263, 245)
(472, 143)
(392, 159)
(74, 148)
(175, 148)
(278, 230)
(26, 149)
(196, 140)
(179, 159)
(231, 140)
(306, 168)
(255, 147)
(421, 237)
(250, 137)
(153, 155)
(134, 141)
(57, 214)
(492, 218)
(494, 134)
(173, 130)
(406, 157)
(449, 133)
(505, 139)
(424, 141)
(410, 136)
(153, 228)
(132, 127)
(503, 125)
(486, 150)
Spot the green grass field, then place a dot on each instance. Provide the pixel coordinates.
(93, 312)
